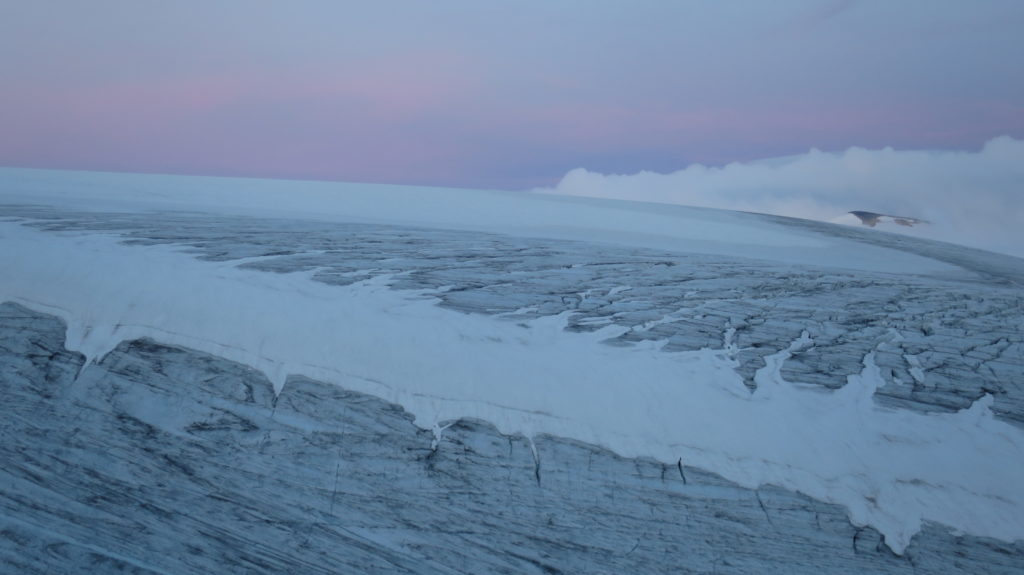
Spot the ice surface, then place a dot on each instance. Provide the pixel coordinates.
(168, 460)
(659, 226)
(537, 368)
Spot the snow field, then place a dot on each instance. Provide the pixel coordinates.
(891, 468)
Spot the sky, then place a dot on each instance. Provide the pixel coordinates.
(487, 94)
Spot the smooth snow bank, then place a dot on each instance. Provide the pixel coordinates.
(892, 469)
(673, 228)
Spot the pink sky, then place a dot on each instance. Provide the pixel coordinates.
(463, 93)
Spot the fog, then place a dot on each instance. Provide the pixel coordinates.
(974, 198)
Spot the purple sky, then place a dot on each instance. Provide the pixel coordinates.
(478, 93)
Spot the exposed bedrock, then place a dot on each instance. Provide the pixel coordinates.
(167, 460)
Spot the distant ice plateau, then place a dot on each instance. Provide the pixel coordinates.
(628, 386)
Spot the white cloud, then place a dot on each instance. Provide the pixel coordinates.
(971, 198)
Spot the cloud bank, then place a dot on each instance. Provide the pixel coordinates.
(970, 198)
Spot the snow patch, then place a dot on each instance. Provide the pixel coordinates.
(916, 371)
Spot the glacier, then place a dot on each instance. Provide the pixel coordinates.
(204, 373)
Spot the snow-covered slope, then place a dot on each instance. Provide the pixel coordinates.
(877, 373)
